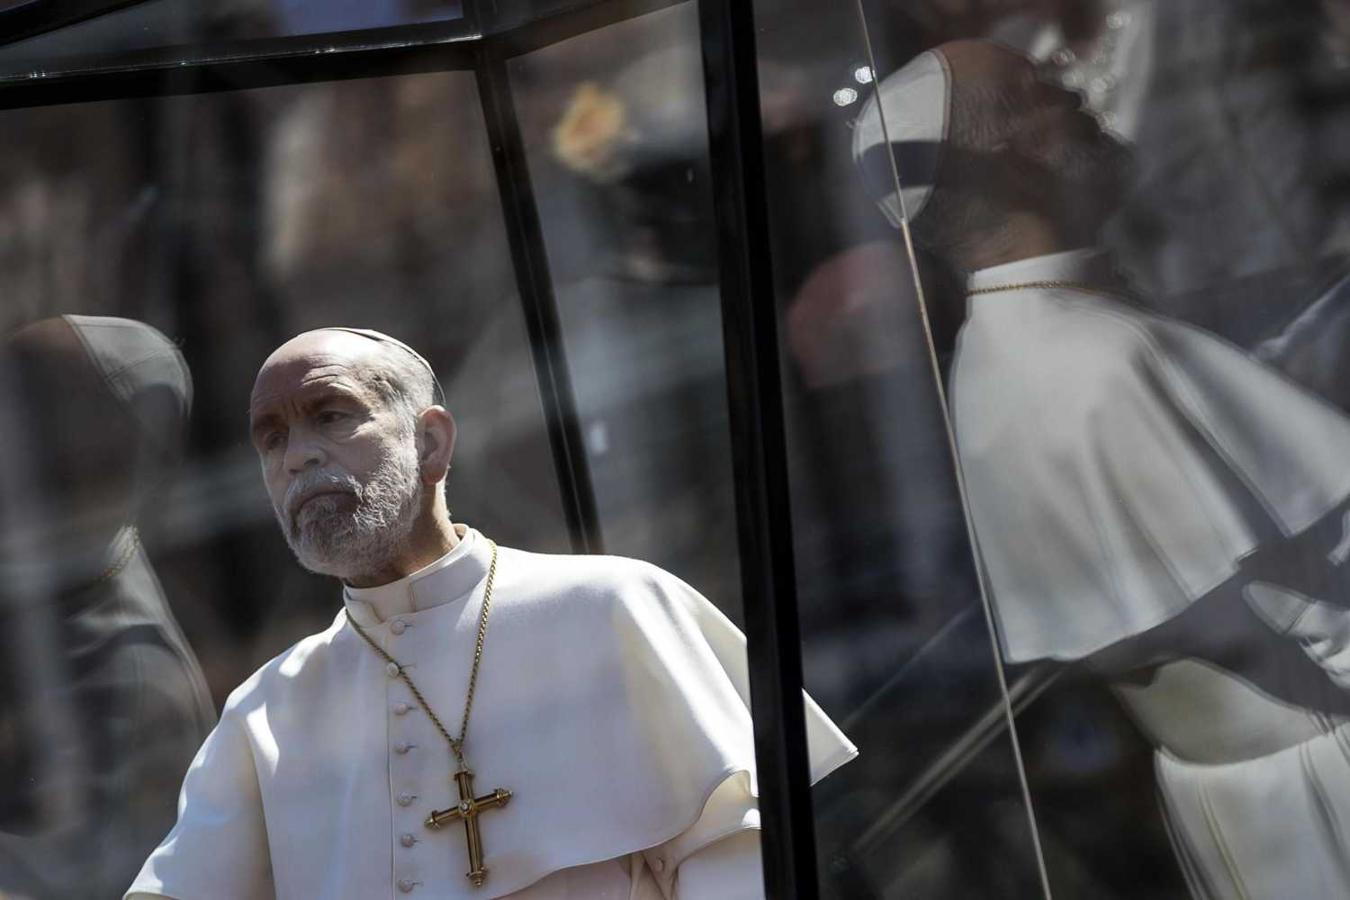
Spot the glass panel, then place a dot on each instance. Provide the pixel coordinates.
(966, 838)
(157, 24)
(895, 641)
(1135, 215)
(226, 223)
(620, 174)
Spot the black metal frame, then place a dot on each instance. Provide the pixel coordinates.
(32, 17)
(748, 307)
(759, 445)
(526, 237)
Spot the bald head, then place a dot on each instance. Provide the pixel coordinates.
(354, 448)
(399, 375)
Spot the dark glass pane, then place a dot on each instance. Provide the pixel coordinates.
(620, 172)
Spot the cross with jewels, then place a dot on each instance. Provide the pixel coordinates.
(468, 809)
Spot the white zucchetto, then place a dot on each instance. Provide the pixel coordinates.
(909, 120)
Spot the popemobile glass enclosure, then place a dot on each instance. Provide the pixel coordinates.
(998, 393)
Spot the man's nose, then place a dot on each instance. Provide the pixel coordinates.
(303, 451)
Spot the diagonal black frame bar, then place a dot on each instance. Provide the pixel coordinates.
(759, 447)
(569, 23)
(525, 235)
(32, 17)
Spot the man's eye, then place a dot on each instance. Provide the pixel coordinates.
(272, 440)
(330, 416)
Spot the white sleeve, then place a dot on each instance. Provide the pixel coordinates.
(729, 869)
(827, 747)
(721, 848)
(218, 850)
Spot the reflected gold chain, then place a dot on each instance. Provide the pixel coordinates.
(1047, 285)
(456, 744)
(116, 566)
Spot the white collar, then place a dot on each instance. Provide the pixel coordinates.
(1087, 265)
(450, 578)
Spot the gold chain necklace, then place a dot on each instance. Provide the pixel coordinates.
(116, 566)
(1049, 285)
(469, 806)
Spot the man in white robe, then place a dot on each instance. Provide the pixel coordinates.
(612, 698)
(1131, 479)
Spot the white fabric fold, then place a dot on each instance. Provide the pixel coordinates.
(1119, 465)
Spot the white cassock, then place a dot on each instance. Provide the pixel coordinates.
(1119, 465)
(612, 701)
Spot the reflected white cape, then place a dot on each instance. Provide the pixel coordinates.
(1120, 464)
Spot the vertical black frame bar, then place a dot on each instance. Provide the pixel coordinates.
(759, 446)
(530, 259)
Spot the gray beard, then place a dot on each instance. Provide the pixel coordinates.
(348, 545)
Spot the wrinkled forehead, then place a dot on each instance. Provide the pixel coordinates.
(314, 363)
(287, 381)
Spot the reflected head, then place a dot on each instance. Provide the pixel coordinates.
(1015, 153)
(104, 404)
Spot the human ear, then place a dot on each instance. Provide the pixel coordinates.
(436, 428)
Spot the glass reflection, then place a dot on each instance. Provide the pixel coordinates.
(895, 645)
(1148, 499)
(104, 703)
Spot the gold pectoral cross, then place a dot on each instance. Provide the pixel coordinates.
(468, 809)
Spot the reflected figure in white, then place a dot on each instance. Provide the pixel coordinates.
(1131, 479)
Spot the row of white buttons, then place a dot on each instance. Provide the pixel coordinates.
(407, 839)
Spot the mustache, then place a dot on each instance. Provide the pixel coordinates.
(309, 484)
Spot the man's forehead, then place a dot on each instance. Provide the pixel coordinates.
(328, 344)
(296, 378)
(316, 354)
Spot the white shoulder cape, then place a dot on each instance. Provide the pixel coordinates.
(612, 701)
